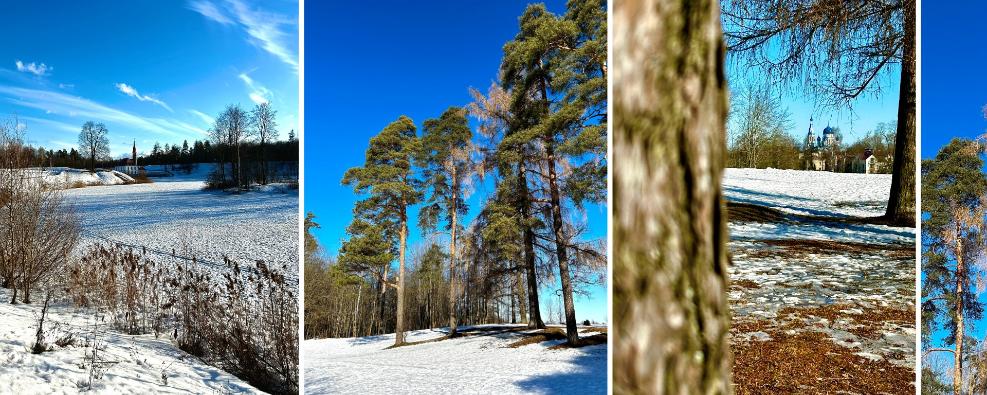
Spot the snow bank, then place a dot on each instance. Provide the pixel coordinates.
(476, 364)
(66, 177)
(141, 361)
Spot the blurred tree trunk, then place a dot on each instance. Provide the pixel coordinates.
(670, 258)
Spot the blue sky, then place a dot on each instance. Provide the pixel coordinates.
(953, 93)
(879, 104)
(152, 71)
(365, 66)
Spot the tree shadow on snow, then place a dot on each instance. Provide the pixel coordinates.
(588, 376)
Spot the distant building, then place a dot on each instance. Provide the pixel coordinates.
(822, 152)
(825, 153)
(865, 163)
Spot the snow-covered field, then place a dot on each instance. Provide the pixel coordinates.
(175, 214)
(141, 361)
(805, 262)
(819, 193)
(170, 215)
(476, 364)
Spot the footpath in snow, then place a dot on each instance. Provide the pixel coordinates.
(480, 363)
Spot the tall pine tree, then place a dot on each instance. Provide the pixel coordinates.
(953, 198)
(387, 177)
(447, 167)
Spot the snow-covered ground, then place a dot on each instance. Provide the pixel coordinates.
(172, 214)
(175, 214)
(804, 262)
(477, 364)
(66, 177)
(817, 193)
(141, 361)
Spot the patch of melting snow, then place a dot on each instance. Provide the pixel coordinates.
(791, 276)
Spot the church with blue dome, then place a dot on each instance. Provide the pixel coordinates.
(822, 152)
(830, 137)
(825, 153)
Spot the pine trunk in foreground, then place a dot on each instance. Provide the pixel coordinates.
(901, 204)
(670, 261)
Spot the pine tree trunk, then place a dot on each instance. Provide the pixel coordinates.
(960, 331)
(523, 312)
(901, 204)
(452, 263)
(534, 312)
(356, 309)
(571, 332)
(670, 261)
(399, 330)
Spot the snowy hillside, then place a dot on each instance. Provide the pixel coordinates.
(66, 177)
(479, 363)
(136, 364)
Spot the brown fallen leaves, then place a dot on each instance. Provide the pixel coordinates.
(809, 362)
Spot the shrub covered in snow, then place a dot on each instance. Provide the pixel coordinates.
(245, 322)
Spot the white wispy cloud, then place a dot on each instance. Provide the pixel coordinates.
(49, 124)
(132, 92)
(259, 94)
(38, 69)
(205, 118)
(209, 10)
(275, 33)
(58, 103)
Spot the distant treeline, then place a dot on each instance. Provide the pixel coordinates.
(207, 152)
(197, 152)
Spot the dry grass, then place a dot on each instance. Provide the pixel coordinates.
(744, 212)
(559, 334)
(596, 329)
(810, 363)
(142, 179)
(868, 324)
(749, 284)
(599, 338)
(540, 336)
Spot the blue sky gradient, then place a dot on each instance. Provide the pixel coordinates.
(152, 71)
(366, 66)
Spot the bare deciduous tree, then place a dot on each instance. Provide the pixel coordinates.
(265, 128)
(38, 230)
(93, 142)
